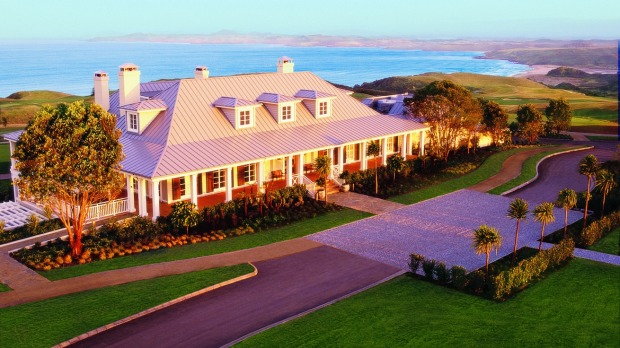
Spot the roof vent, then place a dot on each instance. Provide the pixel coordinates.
(201, 72)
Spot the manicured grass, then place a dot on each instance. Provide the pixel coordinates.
(490, 167)
(5, 158)
(610, 244)
(48, 322)
(295, 230)
(573, 307)
(528, 171)
(603, 137)
(4, 288)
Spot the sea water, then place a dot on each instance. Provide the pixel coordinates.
(69, 66)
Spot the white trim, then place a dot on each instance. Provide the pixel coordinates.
(129, 122)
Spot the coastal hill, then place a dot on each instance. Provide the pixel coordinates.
(19, 107)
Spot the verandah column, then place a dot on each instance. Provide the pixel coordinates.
(364, 148)
(384, 151)
(155, 196)
(289, 170)
(408, 144)
(130, 194)
(261, 175)
(331, 163)
(142, 208)
(229, 184)
(340, 158)
(422, 140)
(300, 168)
(403, 146)
(194, 192)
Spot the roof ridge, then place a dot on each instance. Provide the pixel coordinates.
(177, 84)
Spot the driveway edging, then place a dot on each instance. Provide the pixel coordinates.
(314, 309)
(158, 307)
(538, 164)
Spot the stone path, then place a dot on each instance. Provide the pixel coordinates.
(364, 203)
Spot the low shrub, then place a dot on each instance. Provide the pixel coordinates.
(459, 277)
(598, 229)
(414, 263)
(428, 267)
(442, 273)
(31, 229)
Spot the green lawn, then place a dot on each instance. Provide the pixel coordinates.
(528, 171)
(576, 306)
(5, 158)
(490, 167)
(49, 322)
(3, 287)
(295, 230)
(603, 137)
(610, 244)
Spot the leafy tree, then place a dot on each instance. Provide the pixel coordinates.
(374, 150)
(449, 109)
(543, 213)
(588, 166)
(395, 164)
(530, 122)
(69, 158)
(517, 210)
(605, 182)
(559, 115)
(184, 215)
(494, 119)
(323, 167)
(567, 199)
(486, 239)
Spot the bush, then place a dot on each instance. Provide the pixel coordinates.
(598, 229)
(414, 263)
(442, 273)
(459, 277)
(428, 266)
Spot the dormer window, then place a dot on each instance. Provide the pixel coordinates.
(239, 112)
(132, 122)
(319, 103)
(323, 108)
(245, 118)
(287, 114)
(281, 107)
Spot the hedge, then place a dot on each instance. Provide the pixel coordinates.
(598, 229)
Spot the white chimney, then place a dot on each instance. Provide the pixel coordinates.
(128, 84)
(201, 72)
(102, 89)
(285, 65)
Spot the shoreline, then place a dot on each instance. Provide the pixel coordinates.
(542, 69)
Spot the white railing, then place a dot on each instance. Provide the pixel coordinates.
(310, 186)
(296, 179)
(336, 174)
(108, 208)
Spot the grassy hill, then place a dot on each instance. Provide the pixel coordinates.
(591, 114)
(585, 57)
(19, 107)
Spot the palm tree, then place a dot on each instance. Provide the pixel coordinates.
(374, 150)
(323, 167)
(567, 199)
(588, 166)
(605, 182)
(485, 239)
(518, 210)
(543, 213)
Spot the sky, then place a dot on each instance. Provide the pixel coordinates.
(426, 19)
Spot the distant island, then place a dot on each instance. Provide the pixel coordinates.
(596, 56)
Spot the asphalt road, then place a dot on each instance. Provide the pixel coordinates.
(559, 172)
(284, 287)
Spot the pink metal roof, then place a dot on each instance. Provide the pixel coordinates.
(312, 94)
(192, 134)
(232, 102)
(275, 98)
(151, 104)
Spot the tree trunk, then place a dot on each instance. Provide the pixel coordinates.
(603, 207)
(487, 262)
(542, 236)
(514, 252)
(565, 221)
(585, 211)
(76, 246)
(376, 177)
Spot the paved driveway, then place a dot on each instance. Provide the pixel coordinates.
(439, 228)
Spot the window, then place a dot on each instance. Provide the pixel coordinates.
(323, 108)
(182, 186)
(390, 144)
(245, 119)
(133, 122)
(250, 173)
(287, 113)
(219, 179)
(350, 153)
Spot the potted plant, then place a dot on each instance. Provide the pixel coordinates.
(344, 176)
(321, 191)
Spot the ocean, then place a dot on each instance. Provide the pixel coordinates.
(69, 66)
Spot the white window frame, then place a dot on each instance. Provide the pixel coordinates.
(350, 152)
(290, 113)
(390, 144)
(250, 113)
(327, 111)
(249, 173)
(219, 180)
(130, 118)
(182, 186)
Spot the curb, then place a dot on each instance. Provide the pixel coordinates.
(314, 309)
(538, 164)
(156, 308)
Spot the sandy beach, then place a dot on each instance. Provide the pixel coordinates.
(544, 69)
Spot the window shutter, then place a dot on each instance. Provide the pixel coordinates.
(176, 188)
(210, 182)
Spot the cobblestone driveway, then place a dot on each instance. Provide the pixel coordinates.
(439, 228)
